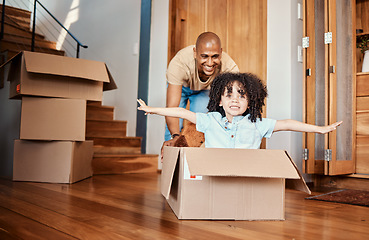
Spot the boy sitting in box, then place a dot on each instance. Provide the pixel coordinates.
(234, 119)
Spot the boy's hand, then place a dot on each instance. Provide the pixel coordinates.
(330, 128)
(143, 106)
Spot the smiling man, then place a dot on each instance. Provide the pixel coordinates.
(189, 76)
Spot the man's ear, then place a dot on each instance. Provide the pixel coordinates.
(194, 52)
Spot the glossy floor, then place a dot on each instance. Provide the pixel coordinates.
(131, 207)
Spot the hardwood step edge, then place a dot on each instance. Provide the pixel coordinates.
(101, 135)
(37, 40)
(21, 28)
(116, 147)
(128, 155)
(94, 103)
(18, 10)
(19, 20)
(37, 49)
(118, 138)
(38, 43)
(100, 107)
(107, 121)
(28, 43)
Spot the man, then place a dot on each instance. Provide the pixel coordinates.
(189, 76)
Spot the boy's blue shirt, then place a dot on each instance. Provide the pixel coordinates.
(241, 133)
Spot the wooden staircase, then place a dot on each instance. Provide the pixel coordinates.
(114, 152)
(18, 34)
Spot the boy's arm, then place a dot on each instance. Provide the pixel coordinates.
(293, 125)
(168, 112)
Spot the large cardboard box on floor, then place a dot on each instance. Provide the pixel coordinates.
(52, 161)
(53, 119)
(40, 74)
(238, 184)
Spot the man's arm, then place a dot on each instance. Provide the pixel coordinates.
(173, 99)
(293, 125)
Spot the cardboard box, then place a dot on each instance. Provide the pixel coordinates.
(237, 184)
(53, 161)
(53, 119)
(40, 74)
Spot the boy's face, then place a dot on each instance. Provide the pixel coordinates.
(234, 101)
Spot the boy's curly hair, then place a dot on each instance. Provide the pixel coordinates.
(256, 92)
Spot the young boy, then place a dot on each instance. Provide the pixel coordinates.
(234, 118)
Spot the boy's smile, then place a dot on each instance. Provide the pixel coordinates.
(234, 102)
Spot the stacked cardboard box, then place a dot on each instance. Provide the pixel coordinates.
(54, 91)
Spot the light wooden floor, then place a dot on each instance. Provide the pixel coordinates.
(131, 207)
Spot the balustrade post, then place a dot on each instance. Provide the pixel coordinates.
(2, 21)
(34, 27)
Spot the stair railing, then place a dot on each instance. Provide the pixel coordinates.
(79, 44)
(2, 21)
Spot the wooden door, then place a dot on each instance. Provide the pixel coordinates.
(341, 73)
(330, 88)
(240, 24)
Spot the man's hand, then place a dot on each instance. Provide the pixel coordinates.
(168, 143)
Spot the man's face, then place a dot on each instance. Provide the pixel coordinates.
(208, 57)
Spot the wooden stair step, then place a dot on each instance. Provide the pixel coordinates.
(14, 29)
(20, 21)
(94, 108)
(121, 164)
(94, 103)
(5, 45)
(9, 10)
(26, 40)
(99, 113)
(108, 150)
(116, 142)
(117, 125)
(105, 133)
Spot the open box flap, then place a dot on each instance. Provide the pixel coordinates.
(111, 85)
(298, 184)
(240, 162)
(170, 159)
(65, 66)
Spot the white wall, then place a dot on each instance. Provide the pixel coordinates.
(112, 32)
(111, 29)
(284, 73)
(10, 111)
(157, 79)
